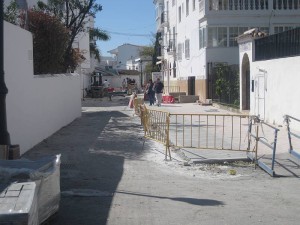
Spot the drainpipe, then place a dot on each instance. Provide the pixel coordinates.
(4, 135)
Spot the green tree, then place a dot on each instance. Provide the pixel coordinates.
(100, 35)
(227, 83)
(50, 39)
(74, 14)
(149, 52)
(11, 12)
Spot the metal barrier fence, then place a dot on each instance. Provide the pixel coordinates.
(261, 129)
(210, 131)
(156, 126)
(288, 119)
(137, 102)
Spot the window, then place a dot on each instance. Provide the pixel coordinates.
(222, 36)
(266, 29)
(174, 35)
(187, 48)
(187, 7)
(202, 38)
(174, 69)
(212, 37)
(179, 52)
(201, 5)
(179, 14)
(171, 46)
(281, 29)
(173, 2)
(194, 5)
(278, 30)
(235, 32)
(217, 37)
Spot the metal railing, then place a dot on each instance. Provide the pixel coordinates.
(137, 102)
(214, 132)
(210, 131)
(259, 137)
(156, 126)
(288, 119)
(285, 44)
(247, 5)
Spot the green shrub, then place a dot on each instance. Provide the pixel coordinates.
(50, 40)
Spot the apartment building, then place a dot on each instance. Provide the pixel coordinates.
(196, 34)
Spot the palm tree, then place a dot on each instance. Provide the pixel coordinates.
(97, 35)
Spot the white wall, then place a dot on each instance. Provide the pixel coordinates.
(124, 53)
(116, 81)
(37, 106)
(281, 81)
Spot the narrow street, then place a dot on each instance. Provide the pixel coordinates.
(111, 175)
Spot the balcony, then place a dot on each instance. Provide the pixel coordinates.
(171, 49)
(164, 19)
(169, 46)
(248, 6)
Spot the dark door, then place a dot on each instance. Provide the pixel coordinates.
(209, 81)
(191, 85)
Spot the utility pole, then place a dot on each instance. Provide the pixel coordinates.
(4, 135)
(141, 61)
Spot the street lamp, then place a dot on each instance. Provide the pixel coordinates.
(4, 135)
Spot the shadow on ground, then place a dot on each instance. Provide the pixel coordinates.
(193, 201)
(93, 150)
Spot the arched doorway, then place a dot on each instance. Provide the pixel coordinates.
(245, 83)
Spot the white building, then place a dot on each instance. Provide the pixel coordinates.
(269, 81)
(126, 58)
(198, 33)
(125, 53)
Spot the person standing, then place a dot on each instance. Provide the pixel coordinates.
(124, 84)
(106, 85)
(158, 88)
(150, 92)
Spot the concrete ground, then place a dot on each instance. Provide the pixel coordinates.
(111, 175)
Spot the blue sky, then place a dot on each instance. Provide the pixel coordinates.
(126, 21)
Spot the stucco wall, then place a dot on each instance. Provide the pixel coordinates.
(277, 82)
(37, 106)
(281, 87)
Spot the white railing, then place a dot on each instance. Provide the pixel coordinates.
(222, 5)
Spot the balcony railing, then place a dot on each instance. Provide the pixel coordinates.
(164, 19)
(171, 46)
(238, 5)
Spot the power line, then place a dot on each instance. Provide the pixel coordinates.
(130, 34)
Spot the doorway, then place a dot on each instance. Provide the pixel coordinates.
(191, 85)
(260, 95)
(245, 83)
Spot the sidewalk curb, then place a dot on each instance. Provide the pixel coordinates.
(212, 161)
